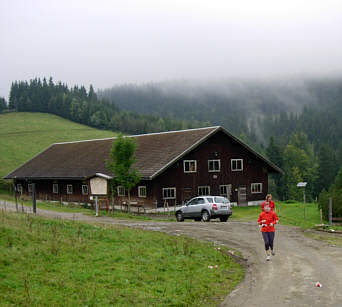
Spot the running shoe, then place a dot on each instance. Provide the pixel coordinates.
(273, 252)
(268, 258)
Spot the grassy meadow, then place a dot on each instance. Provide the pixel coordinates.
(289, 214)
(23, 135)
(56, 262)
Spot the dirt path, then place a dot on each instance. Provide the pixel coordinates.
(287, 280)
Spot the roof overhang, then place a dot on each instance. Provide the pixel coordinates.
(101, 175)
(45, 178)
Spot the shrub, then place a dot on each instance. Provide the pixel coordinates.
(323, 202)
(290, 201)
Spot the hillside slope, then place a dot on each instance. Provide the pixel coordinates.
(23, 135)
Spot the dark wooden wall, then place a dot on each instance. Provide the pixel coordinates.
(219, 146)
(44, 190)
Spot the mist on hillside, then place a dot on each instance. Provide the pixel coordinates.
(238, 105)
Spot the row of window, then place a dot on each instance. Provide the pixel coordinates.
(190, 166)
(69, 189)
(168, 193)
(225, 190)
(142, 192)
(55, 188)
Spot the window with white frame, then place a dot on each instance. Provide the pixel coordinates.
(256, 188)
(169, 193)
(190, 166)
(29, 187)
(55, 188)
(226, 190)
(69, 188)
(236, 164)
(121, 190)
(142, 191)
(214, 165)
(204, 190)
(85, 189)
(19, 188)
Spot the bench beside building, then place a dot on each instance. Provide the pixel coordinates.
(174, 166)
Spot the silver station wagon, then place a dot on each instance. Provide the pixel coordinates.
(205, 208)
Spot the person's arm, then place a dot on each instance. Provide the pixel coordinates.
(275, 219)
(261, 220)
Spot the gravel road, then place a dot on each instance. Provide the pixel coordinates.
(287, 280)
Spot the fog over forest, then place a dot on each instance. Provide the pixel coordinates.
(234, 103)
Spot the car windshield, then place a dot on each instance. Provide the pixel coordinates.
(221, 200)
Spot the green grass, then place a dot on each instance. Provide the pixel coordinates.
(55, 262)
(289, 214)
(333, 239)
(23, 135)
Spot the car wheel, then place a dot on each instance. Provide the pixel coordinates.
(205, 216)
(197, 219)
(179, 217)
(223, 218)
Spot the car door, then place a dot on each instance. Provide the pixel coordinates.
(194, 208)
(189, 208)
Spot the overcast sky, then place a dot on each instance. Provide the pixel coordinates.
(125, 41)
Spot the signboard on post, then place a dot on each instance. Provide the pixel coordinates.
(302, 185)
(98, 187)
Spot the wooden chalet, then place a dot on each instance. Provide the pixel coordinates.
(174, 166)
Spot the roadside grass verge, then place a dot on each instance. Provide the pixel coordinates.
(332, 239)
(292, 214)
(289, 214)
(46, 262)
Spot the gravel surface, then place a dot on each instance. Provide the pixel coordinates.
(287, 280)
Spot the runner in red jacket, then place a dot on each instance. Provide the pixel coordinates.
(269, 202)
(267, 220)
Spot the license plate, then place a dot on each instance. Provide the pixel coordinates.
(223, 207)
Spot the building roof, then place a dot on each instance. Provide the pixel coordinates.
(82, 159)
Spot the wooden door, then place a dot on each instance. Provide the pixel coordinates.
(242, 196)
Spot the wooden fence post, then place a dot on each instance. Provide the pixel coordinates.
(330, 211)
(16, 200)
(34, 204)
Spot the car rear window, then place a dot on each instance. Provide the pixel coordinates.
(210, 199)
(221, 200)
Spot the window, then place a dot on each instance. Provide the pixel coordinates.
(237, 164)
(19, 188)
(214, 165)
(196, 201)
(69, 188)
(29, 187)
(121, 191)
(169, 193)
(256, 187)
(190, 166)
(84, 189)
(142, 191)
(55, 188)
(204, 190)
(226, 190)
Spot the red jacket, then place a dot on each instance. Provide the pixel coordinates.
(267, 218)
(271, 204)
